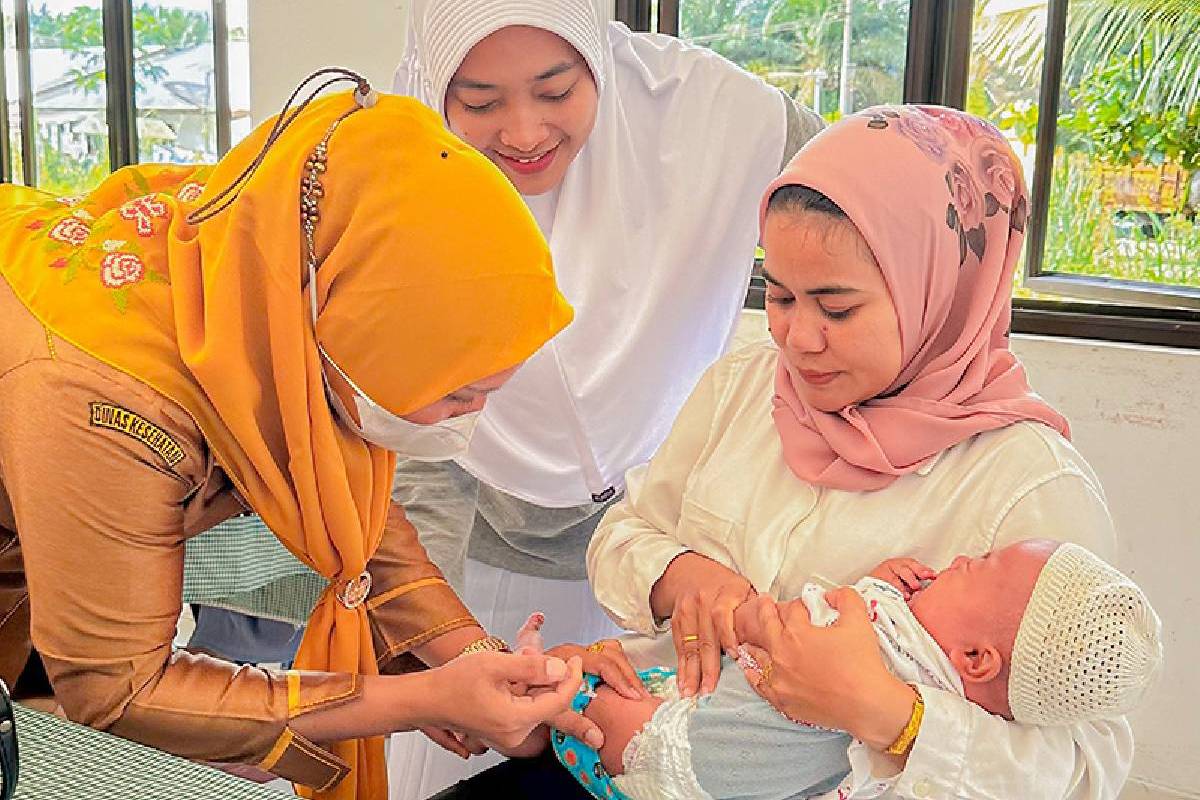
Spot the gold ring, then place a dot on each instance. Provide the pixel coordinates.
(691, 637)
(766, 672)
(596, 647)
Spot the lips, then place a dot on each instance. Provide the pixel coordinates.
(814, 378)
(529, 165)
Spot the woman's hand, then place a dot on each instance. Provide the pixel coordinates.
(700, 596)
(477, 695)
(607, 659)
(833, 677)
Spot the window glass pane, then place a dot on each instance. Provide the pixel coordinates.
(1121, 205)
(12, 90)
(1124, 190)
(802, 46)
(238, 21)
(176, 86)
(67, 72)
(1006, 73)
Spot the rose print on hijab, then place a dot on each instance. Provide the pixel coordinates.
(966, 211)
(983, 185)
(925, 133)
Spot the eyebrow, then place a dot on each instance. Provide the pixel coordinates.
(557, 69)
(818, 292)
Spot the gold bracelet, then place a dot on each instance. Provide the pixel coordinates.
(904, 741)
(486, 644)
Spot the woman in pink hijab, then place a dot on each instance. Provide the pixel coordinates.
(888, 417)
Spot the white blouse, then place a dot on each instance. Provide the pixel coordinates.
(719, 486)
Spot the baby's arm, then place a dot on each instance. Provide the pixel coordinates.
(906, 574)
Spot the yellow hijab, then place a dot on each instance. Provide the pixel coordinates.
(432, 275)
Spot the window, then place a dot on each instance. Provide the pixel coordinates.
(1114, 168)
(1114, 241)
(93, 85)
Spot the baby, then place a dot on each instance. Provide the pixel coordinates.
(1038, 632)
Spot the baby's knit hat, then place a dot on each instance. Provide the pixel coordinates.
(1089, 644)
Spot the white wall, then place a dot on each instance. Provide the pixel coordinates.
(1135, 415)
(291, 38)
(1135, 410)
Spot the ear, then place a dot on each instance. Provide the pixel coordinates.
(977, 664)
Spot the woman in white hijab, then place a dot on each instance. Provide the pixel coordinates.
(642, 159)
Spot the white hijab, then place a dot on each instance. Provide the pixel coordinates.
(653, 237)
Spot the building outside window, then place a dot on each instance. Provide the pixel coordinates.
(92, 85)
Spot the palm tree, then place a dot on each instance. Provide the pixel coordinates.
(1159, 38)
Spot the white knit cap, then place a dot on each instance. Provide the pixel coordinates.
(1089, 644)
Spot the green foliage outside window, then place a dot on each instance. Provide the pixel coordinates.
(157, 30)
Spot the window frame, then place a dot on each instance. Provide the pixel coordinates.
(937, 70)
(120, 87)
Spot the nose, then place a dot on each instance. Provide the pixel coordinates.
(804, 334)
(523, 129)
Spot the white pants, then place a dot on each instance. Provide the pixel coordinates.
(501, 601)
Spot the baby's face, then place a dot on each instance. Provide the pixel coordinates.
(975, 596)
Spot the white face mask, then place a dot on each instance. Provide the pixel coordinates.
(441, 441)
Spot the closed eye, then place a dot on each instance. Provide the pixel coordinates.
(837, 313)
(482, 108)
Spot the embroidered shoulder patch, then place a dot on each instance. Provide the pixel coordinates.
(113, 417)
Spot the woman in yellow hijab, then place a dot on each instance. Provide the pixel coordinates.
(182, 344)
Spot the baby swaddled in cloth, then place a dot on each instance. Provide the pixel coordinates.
(1056, 636)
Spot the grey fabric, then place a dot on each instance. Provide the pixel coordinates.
(456, 516)
(802, 124)
(743, 749)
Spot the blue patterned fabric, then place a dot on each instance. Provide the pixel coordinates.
(580, 758)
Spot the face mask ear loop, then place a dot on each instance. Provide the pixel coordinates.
(364, 95)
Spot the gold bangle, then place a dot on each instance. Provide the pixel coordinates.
(904, 741)
(487, 644)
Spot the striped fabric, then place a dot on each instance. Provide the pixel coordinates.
(241, 566)
(61, 760)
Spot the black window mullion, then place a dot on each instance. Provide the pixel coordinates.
(220, 27)
(937, 64)
(634, 13)
(1047, 135)
(119, 83)
(668, 17)
(25, 93)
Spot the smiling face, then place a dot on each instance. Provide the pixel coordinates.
(829, 309)
(527, 100)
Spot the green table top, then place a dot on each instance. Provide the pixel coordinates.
(64, 761)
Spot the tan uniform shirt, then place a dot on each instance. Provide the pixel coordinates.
(102, 480)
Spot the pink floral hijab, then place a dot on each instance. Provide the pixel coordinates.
(938, 196)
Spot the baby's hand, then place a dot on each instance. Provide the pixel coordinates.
(906, 574)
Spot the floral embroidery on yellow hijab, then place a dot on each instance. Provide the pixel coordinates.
(432, 275)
